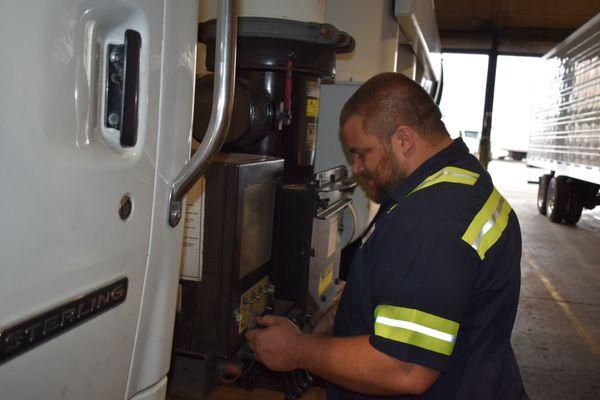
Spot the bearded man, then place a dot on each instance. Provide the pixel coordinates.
(432, 292)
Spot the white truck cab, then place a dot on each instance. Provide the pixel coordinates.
(88, 262)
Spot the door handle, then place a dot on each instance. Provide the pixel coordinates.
(122, 87)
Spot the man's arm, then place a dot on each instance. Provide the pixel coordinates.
(349, 362)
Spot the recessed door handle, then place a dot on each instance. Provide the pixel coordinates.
(122, 87)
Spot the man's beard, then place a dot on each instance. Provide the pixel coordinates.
(387, 176)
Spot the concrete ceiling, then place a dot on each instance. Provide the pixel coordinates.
(521, 26)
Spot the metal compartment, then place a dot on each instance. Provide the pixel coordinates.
(234, 286)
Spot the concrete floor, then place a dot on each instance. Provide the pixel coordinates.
(557, 332)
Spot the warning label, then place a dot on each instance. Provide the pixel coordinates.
(312, 107)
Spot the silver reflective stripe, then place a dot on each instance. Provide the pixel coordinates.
(367, 236)
(489, 224)
(411, 326)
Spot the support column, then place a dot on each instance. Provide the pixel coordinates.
(486, 129)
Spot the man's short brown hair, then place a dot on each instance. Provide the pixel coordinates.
(389, 100)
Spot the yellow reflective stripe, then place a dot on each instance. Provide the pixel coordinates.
(448, 174)
(416, 328)
(488, 225)
(392, 208)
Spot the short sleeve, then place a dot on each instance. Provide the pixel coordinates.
(421, 286)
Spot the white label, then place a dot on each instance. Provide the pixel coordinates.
(191, 260)
(311, 136)
(313, 89)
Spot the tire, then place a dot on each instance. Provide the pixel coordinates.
(557, 199)
(590, 196)
(517, 155)
(574, 204)
(543, 193)
(563, 200)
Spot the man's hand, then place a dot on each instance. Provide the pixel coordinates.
(277, 344)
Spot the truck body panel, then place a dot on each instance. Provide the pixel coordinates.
(82, 210)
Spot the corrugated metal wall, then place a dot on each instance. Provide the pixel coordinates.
(568, 121)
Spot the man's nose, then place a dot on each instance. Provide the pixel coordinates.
(357, 166)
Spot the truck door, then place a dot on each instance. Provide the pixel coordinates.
(94, 123)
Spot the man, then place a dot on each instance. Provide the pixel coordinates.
(432, 292)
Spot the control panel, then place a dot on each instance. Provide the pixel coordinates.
(254, 302)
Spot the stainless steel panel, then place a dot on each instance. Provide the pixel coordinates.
(257, 226)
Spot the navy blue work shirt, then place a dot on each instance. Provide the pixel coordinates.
(436, 281)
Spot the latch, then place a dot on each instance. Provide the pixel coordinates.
(122, 87)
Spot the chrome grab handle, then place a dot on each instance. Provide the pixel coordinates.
(334, 209)
(344, 185)
(225, 46)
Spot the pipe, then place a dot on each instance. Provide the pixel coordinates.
(226, 40)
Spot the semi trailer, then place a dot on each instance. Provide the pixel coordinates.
(566, 137)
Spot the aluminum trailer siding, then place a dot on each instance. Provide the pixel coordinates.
(566, 137)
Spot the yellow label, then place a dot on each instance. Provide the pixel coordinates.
(312, 107)
(253, 302)
(326, 279)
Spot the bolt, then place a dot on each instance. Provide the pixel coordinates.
(326, 32)
(113, 119)
(115, 56)
(176, 213)
(125, 207)
(116, 77)
(337, 281)
(323, 297)
(237, 317)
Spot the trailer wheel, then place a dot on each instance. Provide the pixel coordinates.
(557, 199)
(574, 203)
(543, 193)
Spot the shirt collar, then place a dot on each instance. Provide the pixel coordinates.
(456, 150)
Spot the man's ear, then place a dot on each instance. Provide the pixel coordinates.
(403, 139)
